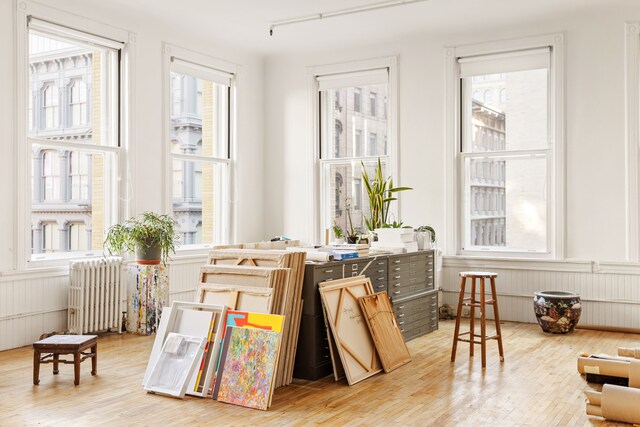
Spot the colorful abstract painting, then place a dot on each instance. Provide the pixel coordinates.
(243, 319)
(248, 366)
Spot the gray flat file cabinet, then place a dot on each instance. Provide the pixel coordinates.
(409, 279)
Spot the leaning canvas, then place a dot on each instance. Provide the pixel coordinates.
(248, 365)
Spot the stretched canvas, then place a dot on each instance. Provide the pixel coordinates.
(349, 329)
(175, 365)
(248, 365)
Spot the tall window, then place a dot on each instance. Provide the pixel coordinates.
(200, 152)
(78, 102)
(51, 175)
(78, 237)
(341, 156)
(372, 148)
(373, 99)
(79, 164)
(357, 99)
(50, 105)
(506, 151)
(50, 237)
(74, 157)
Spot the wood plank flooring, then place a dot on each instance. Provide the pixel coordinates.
(537, 385)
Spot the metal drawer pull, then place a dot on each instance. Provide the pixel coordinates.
(401, 315)
(396, 269)
(396, 292)
(354, 267)
(328, 271)
(396, 277)
(401, 307)
(380, 271)
(396, 285)
(396, 261)
(401, 322)
(380, 278)
(430, 270)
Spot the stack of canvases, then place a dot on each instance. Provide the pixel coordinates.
(362, 329)
(193, 338)
(265, 281)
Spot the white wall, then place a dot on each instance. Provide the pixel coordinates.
(595, 127)
(34, 303)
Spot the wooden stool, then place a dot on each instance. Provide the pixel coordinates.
(65, 344)
(473, 303)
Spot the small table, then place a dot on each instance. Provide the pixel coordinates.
(65, 344)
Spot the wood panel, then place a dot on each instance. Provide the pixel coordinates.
(378, 313)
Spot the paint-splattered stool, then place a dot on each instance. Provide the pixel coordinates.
(56, 345)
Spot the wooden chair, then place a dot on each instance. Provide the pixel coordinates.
(56, 345)
(474, 303)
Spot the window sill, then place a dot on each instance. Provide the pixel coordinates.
(570, 266)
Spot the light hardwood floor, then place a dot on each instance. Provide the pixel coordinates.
(537, 385)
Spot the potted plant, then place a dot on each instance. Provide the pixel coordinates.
(381, 193)
(151, 236)
(339, 233)
(352, 234)
(426, 237)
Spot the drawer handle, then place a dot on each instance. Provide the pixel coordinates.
(396, 292)
(401, 315)
(396, 261)
(396, 269)
(401, 322)
(396, 277)
(354, 267)
(380, 271)
(328, 271)
(401, 307)
(380, 278)
(401, 330)
(396, 285)
(430, 270)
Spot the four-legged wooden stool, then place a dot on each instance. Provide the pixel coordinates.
(56, 345)
(473, 303)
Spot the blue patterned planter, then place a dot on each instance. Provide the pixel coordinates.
(557, 312)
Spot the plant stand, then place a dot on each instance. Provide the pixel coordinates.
(147, 294)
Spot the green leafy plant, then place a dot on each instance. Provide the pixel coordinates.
(143, 232)
(337, 231)
(395, 224)
(381, 193)
(425, 228)
(352, 233)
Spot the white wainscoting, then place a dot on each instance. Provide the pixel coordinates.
(610, 291)
(35, 302)
(32, 304)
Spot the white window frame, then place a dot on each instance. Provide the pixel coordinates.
(89, 31)
(556, 222)
(632, 112)
(316, 232)
(200, 63)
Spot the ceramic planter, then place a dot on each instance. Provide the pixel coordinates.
(557, 312)
(151, 256)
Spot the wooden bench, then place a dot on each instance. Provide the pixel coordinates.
(56, 345)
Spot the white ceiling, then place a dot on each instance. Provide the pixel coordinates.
(245, 23)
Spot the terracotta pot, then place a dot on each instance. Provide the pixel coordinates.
(557, 312)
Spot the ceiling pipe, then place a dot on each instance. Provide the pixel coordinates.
(341, 12)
